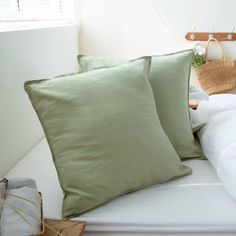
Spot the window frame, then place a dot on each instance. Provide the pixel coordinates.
(19, 20)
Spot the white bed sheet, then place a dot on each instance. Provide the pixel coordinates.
(192, 205)
(218, 137)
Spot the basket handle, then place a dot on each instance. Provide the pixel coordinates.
(222, 50)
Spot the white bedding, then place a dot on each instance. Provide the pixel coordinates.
(192, 205)
(218, 137)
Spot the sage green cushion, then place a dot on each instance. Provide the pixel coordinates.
(87, 63)
(169, 79)
(104, 133)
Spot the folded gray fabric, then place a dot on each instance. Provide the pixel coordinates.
(14, 183)
(21, 217)
(3, 192)
(8, 184)
(17, 215)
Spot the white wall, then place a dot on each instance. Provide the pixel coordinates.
(28, 55)
(130, 28)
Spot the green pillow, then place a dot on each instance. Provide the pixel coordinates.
(87, 63)
(104, 134)
(169, 79)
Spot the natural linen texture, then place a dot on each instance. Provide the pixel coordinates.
(20, 201)
(104, 133)
(169, 79)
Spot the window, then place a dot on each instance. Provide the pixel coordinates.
(36, 9)
(7, 8)
(21, 13)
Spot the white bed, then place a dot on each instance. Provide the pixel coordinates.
(192, 205)
(218, 137)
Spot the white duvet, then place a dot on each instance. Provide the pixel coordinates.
(218, 137)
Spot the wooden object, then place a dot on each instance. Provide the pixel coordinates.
(204, 36)
(42, 233)
(194, 103)
(65, 227)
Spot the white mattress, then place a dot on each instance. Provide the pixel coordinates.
(191, 205)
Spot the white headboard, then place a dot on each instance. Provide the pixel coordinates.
(28, 55)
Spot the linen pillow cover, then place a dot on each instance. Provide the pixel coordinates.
(13, 223)
(104, 134)
(169, 79)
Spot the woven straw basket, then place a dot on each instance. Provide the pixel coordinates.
(217, 76)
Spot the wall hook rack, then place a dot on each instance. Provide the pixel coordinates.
(204, 36)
